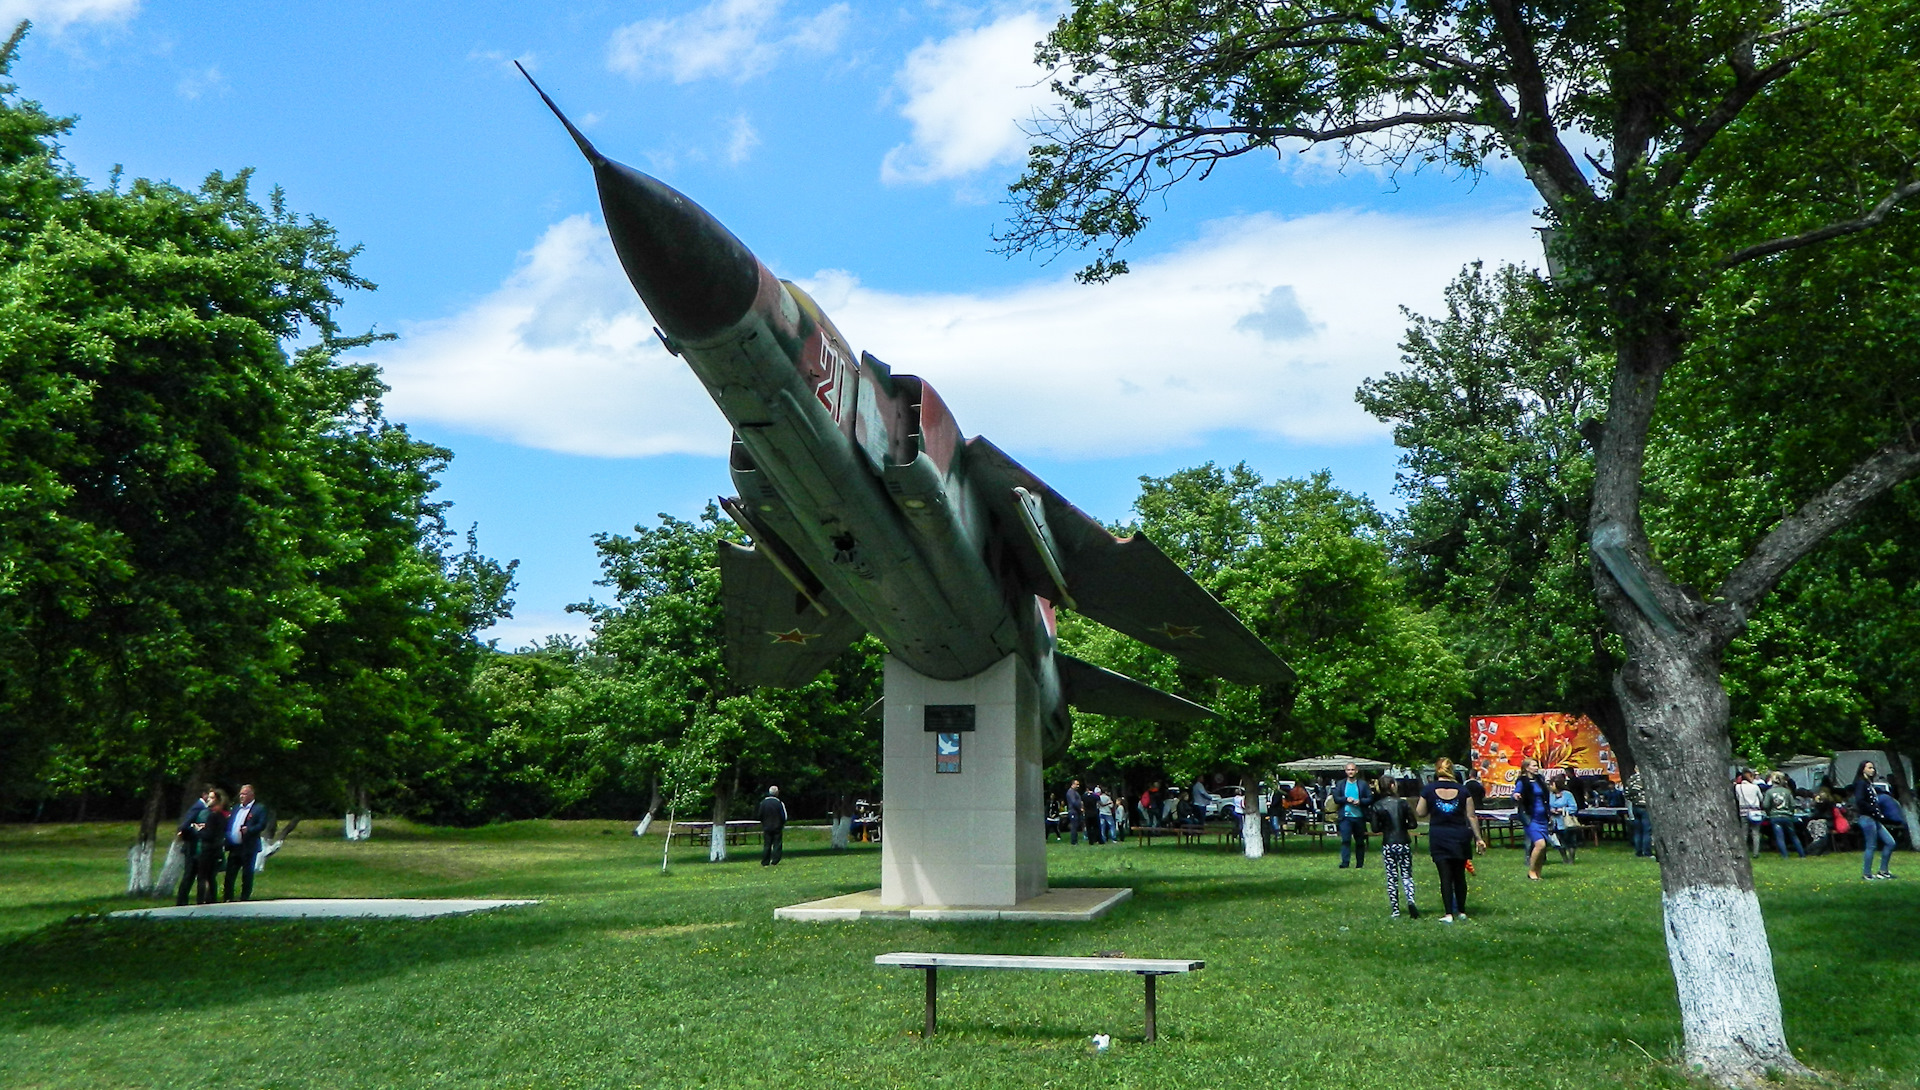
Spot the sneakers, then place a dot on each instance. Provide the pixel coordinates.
(1446, 919)
(1873, 877)
(1884, 875)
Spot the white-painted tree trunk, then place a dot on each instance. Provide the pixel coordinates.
(366, 825)
(717, 843)
(645, 824)
(351, 826)
(1729, 1004)
(842, 832)
(1250, 834)
(140, 869)
(175, 867)
(1676, 712)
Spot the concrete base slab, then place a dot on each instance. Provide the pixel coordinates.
(395, 908)
(1055, 905)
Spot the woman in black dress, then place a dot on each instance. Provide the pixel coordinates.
(1453, 832)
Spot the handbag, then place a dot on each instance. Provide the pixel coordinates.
(1571, 821)
(1840, 822)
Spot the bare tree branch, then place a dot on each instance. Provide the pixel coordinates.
(1831, 231)
(1798, 533)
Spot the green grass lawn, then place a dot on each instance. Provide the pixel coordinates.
(625, 977)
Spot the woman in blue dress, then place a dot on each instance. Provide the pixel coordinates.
(1453, 832)
(1530, 794)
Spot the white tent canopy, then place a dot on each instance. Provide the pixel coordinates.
(1334, 762)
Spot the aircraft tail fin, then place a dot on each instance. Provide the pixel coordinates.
(1099, 690)
(1127, 584)
(776, 637)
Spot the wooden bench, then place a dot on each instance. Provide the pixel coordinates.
(1149, 969)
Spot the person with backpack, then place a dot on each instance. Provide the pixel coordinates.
(1871, 818)
(1778, 802)
(1394, 820)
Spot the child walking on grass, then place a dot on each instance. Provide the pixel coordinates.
(1393, 819)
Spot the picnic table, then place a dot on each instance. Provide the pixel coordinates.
(736, 831)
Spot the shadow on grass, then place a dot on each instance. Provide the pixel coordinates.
(91, 970)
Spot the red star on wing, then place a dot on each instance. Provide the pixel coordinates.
(1180, 631)
(794, 636)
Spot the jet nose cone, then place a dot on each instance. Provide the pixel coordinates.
(694, 275)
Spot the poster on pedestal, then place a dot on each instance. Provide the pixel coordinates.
(1565, 745)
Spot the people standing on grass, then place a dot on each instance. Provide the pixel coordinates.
(1076, 812)
(1530, 795)
(1565, 825)
(202, 830)
(773, 827)
(1871, 818)
(1109, 815)
(1354, 798)
(1638, 820)
(1778, 802)
(1453, 834)
(1747, 794)
(243, 829)
(1393, 818)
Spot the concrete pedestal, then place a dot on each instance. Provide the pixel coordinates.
(976, 836)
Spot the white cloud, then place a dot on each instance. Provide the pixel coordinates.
(967, 97)
(1201, 340)
(737, 38)
(59, 14)
(1263, 325)
(560, 357)
(194, 84)
(741, 139)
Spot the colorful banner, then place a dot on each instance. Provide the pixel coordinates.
(1563, 744)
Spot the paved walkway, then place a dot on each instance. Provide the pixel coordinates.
(400, 908)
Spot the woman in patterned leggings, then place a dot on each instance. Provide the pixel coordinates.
(1393, 819)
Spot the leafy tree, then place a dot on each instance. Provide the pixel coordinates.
(1497, 481)
(1744, 154)
(665, 636)
(1306, 565)
(216, 555)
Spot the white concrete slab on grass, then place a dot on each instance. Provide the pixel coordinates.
(1058, 905)
(330, 908)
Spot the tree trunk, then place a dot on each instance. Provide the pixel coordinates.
(1676, 711)
(842, 834)
(273, 842)
(140, 856)
(1251, 839)
(653, 807)
(723, 790)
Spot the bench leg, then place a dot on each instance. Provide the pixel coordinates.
(931, 991)
(1152, 1028)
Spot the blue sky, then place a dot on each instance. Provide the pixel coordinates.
(862, 149)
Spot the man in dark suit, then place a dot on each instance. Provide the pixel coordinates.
(243, 831)
(773, 822)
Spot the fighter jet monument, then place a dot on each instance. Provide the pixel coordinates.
(870, 511)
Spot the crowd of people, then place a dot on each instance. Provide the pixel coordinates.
(1546, 814)
(215, 835)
